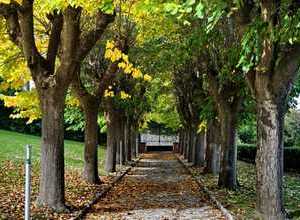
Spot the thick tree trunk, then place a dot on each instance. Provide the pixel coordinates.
(213, 148)
(51, 192)
(112, 133)
(269, 160)
(90, 171)
(228, 174)
(200, 149)
(208, 152)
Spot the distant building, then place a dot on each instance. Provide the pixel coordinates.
(29, 86)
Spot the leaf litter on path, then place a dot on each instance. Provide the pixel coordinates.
(157, 188)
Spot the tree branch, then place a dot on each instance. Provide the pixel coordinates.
(78, 87)
(10, 13)
(69, 41)
(90, 39)
(213, 88)
(286, 70)
(250, 79)
(33, 57)
(107, 78)
(54, 39)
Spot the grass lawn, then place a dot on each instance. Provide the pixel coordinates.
(242, 202)
(12, 148)
(78, 192)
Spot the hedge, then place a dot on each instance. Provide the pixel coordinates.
(20, 125)
(247, 152)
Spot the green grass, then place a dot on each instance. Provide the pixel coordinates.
(242, 202)
(12, 148)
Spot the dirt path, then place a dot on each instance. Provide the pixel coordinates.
(158, 188)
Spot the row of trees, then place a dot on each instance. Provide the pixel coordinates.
(74, 54)
(237, 51)
(215, 62)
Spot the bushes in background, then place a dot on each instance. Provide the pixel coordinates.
(247, 152)
(20, 125)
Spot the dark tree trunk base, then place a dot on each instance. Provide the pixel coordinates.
(90, 171)
(89, 177)
(228, 173)
(52, 184)
(58, 208)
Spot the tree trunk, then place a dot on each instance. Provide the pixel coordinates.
(186, 143)
(208, 152)
(215, 158)
(269, 159)
(180, 142)
(213, 148)
(191, 146)
(200, 149)
(122, 154)
(112, 133)
(90, 171)
(228, 174)
(118, 156)
(127, 140)
(52, 184)
(133, 141)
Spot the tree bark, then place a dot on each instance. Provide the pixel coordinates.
(90, 170)
(228, 173)
(200, 149)
(180, 142)
(122, 155)
(52, 182)
(112, 133)
(186, 143)
(213, 148)
(269, 160)
(118, 156)
(133, 141)
(208, 152)
(191, 146)
(138, 143)
(127, 140)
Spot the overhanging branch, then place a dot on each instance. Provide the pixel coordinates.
(90, 39)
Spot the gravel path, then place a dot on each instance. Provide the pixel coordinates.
(158, 188)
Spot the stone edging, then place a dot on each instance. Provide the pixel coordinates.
(101, 194)
(212, 198)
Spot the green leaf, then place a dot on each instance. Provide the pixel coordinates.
(171, 8)
(200, 10)
(190, 2)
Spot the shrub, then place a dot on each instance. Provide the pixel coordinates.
(247, 152)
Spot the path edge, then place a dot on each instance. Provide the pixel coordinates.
(212, 198)
(81, 214)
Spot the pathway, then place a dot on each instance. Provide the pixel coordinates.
(158, 188)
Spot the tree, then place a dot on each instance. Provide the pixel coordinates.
(120, 121)
(53, 78)
(190, 96)
(225, 85)
(271, 63)
(89, 86)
